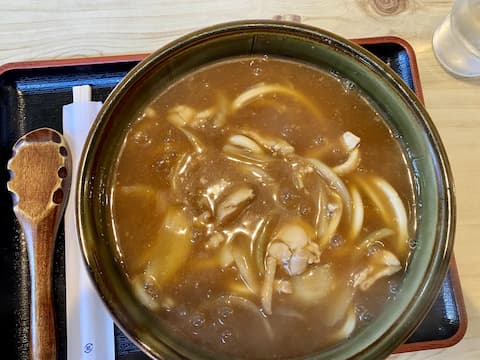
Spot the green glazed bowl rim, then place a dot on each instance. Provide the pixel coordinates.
(431, 160)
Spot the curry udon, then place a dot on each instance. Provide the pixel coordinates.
(261, 208)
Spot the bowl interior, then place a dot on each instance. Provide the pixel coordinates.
(404, 114)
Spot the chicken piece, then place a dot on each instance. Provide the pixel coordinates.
(181, 116)
(291, 248)
(283, 286)
(215, 240)
(203, 220)
(203, 117)
(382, 263)
(275, 145)
(234, 203)
(297, 236)
(280, 252)
(213, 192)
(299, 172)
(300, 259)
(294, 235)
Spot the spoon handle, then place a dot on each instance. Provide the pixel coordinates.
(40, 238)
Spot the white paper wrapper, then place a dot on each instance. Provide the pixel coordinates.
(89, 325)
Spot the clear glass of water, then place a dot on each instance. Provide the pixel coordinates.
(456, 41)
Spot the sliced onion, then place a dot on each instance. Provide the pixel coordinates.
(367, 185)
(321, 220)
(181, 116)
(385, 271)
(349, 165)
(260, 241)
(223, 107)
(357, 212)
(332, 224)
(340, 304)
(260, 90)
(371, 274)
(245, 270)
(259, 174)
(244, 158)
(398, 210)
(289, 312)
(146, 290)
(267, 288)
(297, 179)
(242, 303)
(313, 286)
(376, 236)
(244, 143)
(244, 150)
(392, 210)
(178, 171)
(208, 263)
(226, 257)
(197, 144)
(239, 289)
(274, 145)
(348, 326)
(171, 248)
(334, 181)
(382, 263)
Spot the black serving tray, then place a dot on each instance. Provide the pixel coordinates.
(32, 95)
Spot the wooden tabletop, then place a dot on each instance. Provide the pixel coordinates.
(48, 29)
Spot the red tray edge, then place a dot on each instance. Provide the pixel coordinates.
(37, 64)
(426, 345)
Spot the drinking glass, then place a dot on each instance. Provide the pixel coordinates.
(456, 41)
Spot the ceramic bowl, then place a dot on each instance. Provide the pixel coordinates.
(405, 115)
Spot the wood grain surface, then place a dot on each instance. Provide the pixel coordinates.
(47, 29)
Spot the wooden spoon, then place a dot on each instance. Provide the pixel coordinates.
(40, 174)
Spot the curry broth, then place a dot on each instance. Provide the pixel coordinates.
(202, 291)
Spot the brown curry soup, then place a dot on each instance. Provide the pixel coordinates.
(261, 208)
